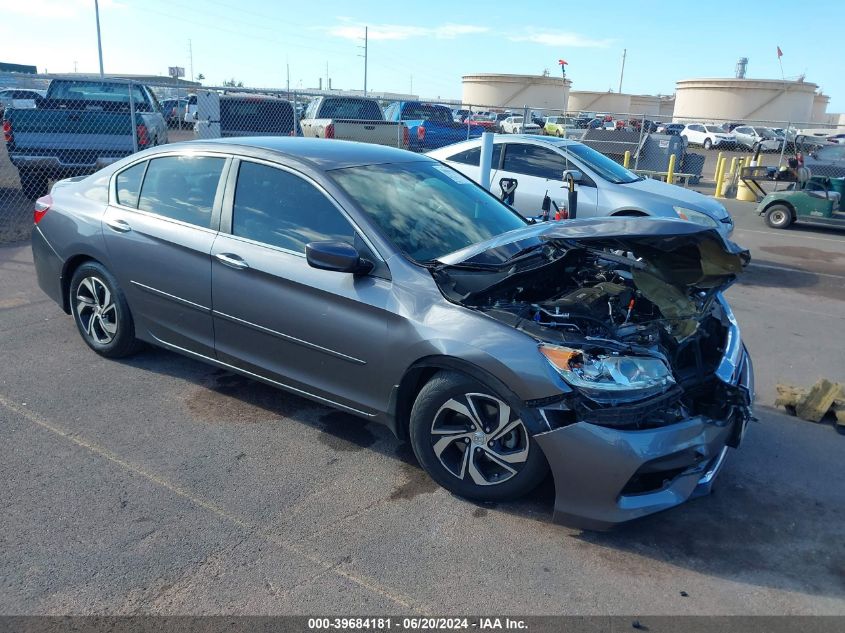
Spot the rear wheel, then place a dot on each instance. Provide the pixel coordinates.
(101, 312)
(472, 441)
(778, 216)
(33, 183)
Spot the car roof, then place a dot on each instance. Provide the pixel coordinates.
(322, 154)
(531, 139)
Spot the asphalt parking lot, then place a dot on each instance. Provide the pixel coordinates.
(161, 485)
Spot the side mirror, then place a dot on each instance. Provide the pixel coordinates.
(336, 256)
(574, 174)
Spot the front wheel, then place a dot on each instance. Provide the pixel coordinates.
(101, 312)
(472, 442)
(708, 143)
(778, 216)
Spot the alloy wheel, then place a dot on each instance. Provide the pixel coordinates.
(478, 438)
(96, 310)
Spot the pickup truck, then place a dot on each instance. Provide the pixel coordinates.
(352, 119)
(78, 127)
(430, 126)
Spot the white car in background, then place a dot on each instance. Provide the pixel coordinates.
(517, 125)
(20, 98)
(605, 188)
(707, 136)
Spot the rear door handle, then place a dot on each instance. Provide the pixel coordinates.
(231, 260)
(121, 226)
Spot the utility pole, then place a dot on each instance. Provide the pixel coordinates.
(288, 67)
(365, 59)
(74, 66)
(191, 58)
(622, 74)
(99, 40)
(327, 74)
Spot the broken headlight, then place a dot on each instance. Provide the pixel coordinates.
(608, 373)
(696, 217)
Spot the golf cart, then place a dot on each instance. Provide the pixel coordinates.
(818, 201)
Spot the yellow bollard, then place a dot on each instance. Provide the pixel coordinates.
(720, 184)
(627, 160)
(730, 177)
(718, 162)
(717, 178)
(670, 173)
(742, 190)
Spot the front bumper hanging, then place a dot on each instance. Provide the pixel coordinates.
(605, 476)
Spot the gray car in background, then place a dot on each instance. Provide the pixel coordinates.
(392, 287)
(605, 188)
(751, 137)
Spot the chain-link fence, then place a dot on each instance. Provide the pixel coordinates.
(59, 127)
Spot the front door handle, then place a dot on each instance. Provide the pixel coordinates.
(121, 226)
(231, 260)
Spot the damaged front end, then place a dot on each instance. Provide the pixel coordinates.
(629, 313)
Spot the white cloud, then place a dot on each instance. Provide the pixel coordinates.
(561, 38)
(58, 9)
(446, 31)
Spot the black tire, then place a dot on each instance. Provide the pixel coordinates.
(33, 184)
(779, 216)
(101, 313)
(455, 469)
(708, 143)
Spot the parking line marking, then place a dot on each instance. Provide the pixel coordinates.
(792, 234)
(794, 270)
(328, 566)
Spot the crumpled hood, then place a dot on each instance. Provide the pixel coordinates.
(679, 196)
(682, 253)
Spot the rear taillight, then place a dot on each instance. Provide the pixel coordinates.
(406, 136)
(42, 205)
(421, 133)
(330, 130)
(7, 131)
(143, 137)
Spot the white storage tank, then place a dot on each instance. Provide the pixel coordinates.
(593, 101)
(820, 103)
(645, 104)
(515, 91)
(744, 99)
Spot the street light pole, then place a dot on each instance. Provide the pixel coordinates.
(99, 42)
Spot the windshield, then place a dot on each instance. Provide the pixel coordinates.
(435, 114)
(714, 128)
(605, 167)
(517, 119)
(426, 209)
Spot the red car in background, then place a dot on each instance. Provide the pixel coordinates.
(482, 120)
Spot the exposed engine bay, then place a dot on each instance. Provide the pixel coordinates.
(624, 320)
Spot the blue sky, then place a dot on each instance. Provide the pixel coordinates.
(432, 43)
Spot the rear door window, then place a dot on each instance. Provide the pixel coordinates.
(276, 207)
(532, 160)
(129, 185)
(473, 156)
(182, 188)
(95, 93)
(358, 109)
